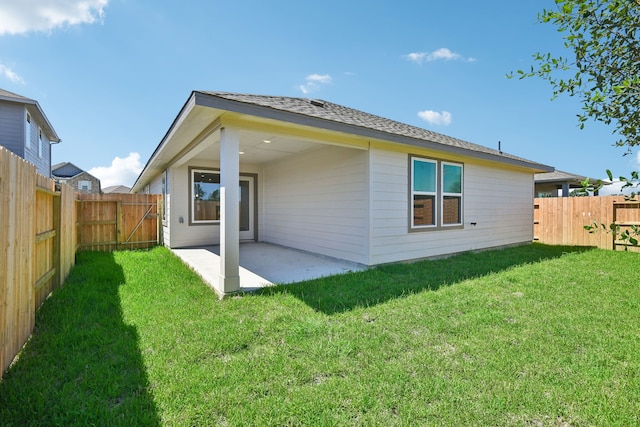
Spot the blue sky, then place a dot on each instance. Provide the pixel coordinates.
(111, 75)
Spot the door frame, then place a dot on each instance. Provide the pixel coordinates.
(250, 235)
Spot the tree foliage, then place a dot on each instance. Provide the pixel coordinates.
(629, 235)
(603, 67)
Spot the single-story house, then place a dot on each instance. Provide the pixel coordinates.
(122, 189)
(560, 184)
(331, 180)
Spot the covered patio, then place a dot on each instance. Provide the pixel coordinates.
(265, 264)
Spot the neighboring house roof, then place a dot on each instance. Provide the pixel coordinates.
(35, 110)
(561, 176)
(116, 189)
(65, 170)
(333, 117)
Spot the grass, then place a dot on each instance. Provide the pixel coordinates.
(528, 336)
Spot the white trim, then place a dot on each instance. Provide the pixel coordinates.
(164, 181)
(39, 142)
(192, 196)
(423, 193)
(443, 194)
(27, 128)
(439, 194)
(249, 234)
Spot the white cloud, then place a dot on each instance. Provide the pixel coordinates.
(121, 172)
(313, 82)
(440, 54)
(615, 189)
(23, 16)
(10, 74)
(435, 118)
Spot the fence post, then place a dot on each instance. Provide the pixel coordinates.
(57, 228)
(118, 224)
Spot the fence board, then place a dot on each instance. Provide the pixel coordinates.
(67, 233)
(561, 220)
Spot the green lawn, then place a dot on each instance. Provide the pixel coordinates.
(528, 336)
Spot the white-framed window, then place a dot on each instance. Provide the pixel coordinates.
(39, 143)
(424, 186)
(436, 193)
(205, 196)
(451, 194)
(27, 132)
(84, 185)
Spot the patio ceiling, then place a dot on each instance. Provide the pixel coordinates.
(258, 147)
(196, 135)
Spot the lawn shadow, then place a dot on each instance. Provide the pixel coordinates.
(82, 365)
(342, 293)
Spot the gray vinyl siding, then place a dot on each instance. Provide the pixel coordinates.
(498, 200)
(12, 136)
(42, 163)
(12, 127)
(317, 201)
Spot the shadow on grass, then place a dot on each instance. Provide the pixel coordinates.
(341, 293)
(82, 365)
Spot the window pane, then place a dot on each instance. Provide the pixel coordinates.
(451, 210)
(452, 178)
(27, 132)
(206, 196)
(423, 210)
(424, 176)
(244, 206)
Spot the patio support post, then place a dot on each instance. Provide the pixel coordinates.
(229, 208)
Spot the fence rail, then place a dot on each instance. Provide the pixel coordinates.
(561, 220)
(41, 229)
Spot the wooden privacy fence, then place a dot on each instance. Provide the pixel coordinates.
(37, 247)
(561, 220)
(42, 227)
(108, 222)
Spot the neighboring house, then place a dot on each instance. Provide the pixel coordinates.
(560, 184)
(116, 189)
(26, 131)
(331, 180)
(72, 175)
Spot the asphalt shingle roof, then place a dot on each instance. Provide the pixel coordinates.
(329, 111)
(15, 96)
(558, 175)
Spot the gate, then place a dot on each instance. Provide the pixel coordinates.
(110, 222)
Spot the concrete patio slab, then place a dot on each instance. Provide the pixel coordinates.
(265, 264)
